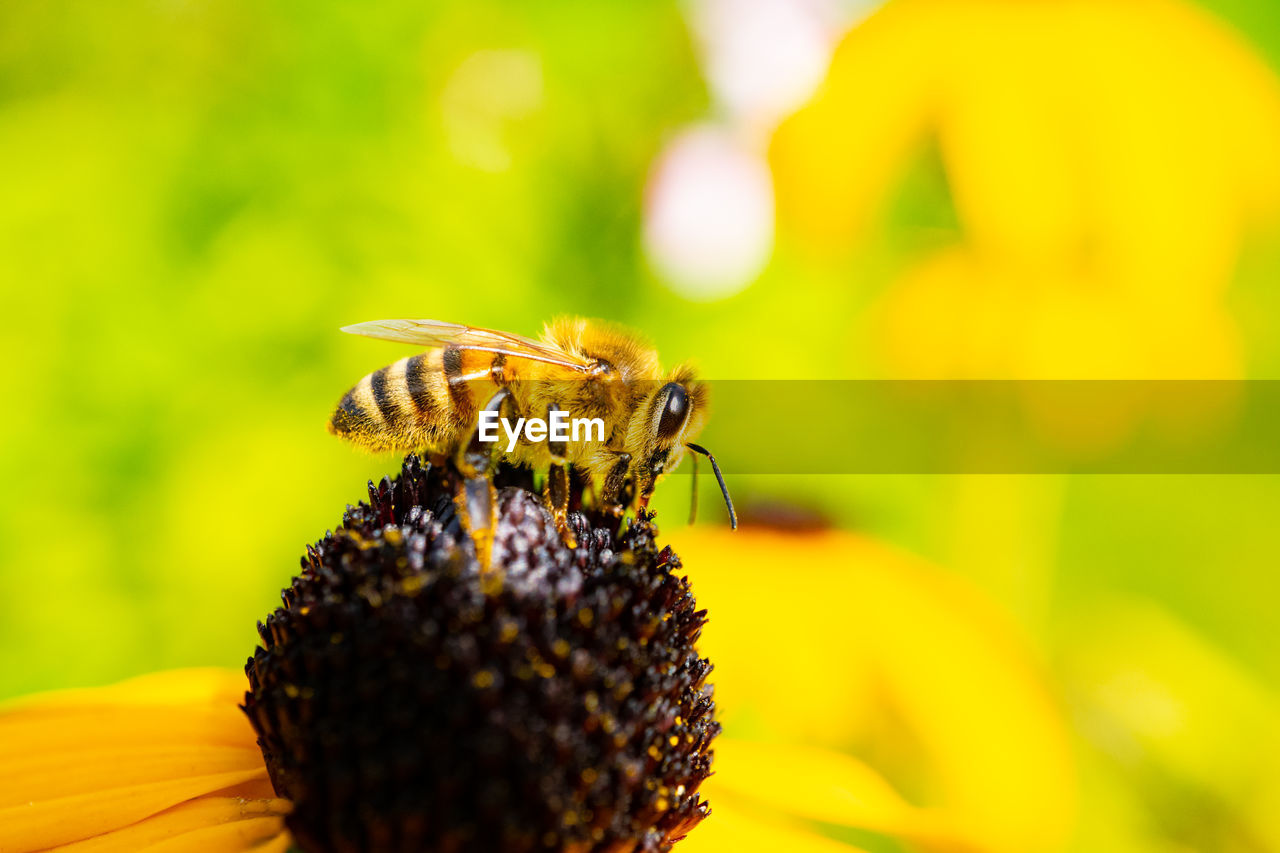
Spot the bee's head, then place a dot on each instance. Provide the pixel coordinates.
(671, 414)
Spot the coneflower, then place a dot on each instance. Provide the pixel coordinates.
(404, 699)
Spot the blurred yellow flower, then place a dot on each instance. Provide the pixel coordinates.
(162, 763)
(829, 646)
(1105, 159)
(959, 315)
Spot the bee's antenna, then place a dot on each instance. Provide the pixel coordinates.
(693, 501)
(724, 490)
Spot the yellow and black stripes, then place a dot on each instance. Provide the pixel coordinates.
(459, 393)
(357, 415)
(421, 402)
(417, 387)
(391, 413)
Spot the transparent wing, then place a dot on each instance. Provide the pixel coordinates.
(433, 333)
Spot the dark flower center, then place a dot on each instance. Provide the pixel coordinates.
(404, 700)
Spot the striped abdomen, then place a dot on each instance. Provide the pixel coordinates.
(426, 401)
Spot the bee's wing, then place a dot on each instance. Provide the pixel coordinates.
(433, 333)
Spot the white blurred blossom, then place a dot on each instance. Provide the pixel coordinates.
(709, 214)
(763, 58)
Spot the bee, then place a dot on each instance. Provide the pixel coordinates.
(433, 402)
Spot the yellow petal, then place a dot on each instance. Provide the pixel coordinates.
(959, 315)
(1132, 133)
(1010, 141)
(228, 838)
(835, 160)
(182, 824)
(59, 773)
(826, 786)
(166, 759)
(86, 726)
(50, 822)
(196, 686)
(731, 829)
(1119, 145)
(831, 639)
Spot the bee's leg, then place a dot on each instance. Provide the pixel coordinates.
(615, 483)
(557, 491)
(556, 496)
(475, 497)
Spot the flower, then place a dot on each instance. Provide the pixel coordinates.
(1129, 134)
(405, 698)
(1106, 161)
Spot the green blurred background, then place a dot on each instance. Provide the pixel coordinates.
(195, 196)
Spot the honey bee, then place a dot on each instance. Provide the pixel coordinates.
(434, 402)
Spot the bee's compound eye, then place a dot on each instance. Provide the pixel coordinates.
(674, 411)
